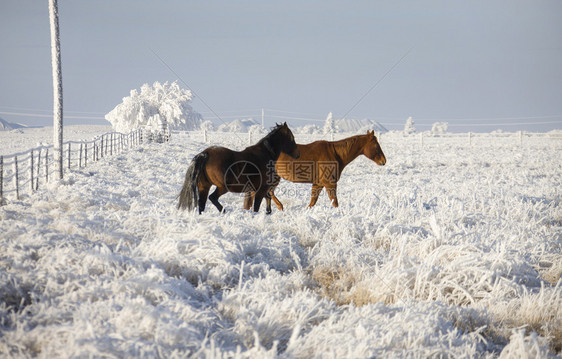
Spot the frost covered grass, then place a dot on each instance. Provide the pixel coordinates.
(447, 251)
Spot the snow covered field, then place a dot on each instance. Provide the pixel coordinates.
(447, 251)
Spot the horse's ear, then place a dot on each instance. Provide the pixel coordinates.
(285, 124)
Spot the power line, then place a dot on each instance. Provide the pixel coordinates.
(379, 81)
(50, 116)
(189, 87)
(11, 108)
(292, 112)
(296, 118)
(258, 111)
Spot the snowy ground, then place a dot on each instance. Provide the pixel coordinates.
(447, 251)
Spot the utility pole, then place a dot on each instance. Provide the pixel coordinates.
(57, 86)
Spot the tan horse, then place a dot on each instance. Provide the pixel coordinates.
(321, 163)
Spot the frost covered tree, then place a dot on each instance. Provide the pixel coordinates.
(329, 125)
(207, 125)
(154, 108)
(409, 126)
(439, 128)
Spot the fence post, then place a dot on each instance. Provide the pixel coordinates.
(521, 138)
(16, 183)
(80, 157)
(31, 169)
(47, 165)
(69, 155)
(1, 180)
(38, 170)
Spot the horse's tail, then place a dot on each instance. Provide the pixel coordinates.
(189, 194)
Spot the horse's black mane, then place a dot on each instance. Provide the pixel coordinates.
(271, 133)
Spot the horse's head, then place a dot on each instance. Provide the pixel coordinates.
(286, 141)
(373, 150)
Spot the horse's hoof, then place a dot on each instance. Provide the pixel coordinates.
(268, 212)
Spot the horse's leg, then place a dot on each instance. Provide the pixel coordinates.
(257, 200)
(332, 189)
(276, 200)
(316, 189)
(214, 197)
(268, 203)
(203, 193)
(248, 200)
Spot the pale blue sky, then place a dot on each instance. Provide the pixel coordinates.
(471, 62)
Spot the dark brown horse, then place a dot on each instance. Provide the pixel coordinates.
(233, 171)
(321, 163)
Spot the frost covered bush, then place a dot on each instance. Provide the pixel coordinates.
(409, 128)
(307, 129)
(439, 128)
(156, 107)
(240, 126)
(329, 125)
(257, 129)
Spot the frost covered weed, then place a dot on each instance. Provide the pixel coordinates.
(449, 251)
(336, 284)
(538, 312)
(522, 345)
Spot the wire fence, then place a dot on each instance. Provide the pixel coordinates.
(421, 139)
(27, 171)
